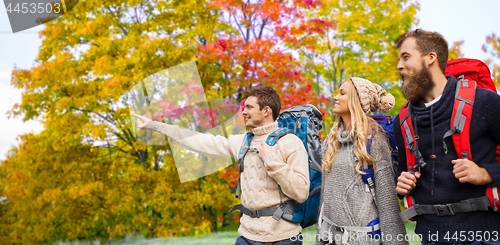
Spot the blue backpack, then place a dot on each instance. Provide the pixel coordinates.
(304, 121)
(386, 122)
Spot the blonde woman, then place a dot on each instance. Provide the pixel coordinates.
(351, 211)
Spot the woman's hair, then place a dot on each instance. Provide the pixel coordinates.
(362, 127)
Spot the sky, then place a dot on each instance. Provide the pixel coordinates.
(456, 20)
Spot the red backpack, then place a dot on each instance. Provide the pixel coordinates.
(475, 70)
(469, 73)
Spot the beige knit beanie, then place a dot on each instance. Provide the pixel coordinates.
(372, 96)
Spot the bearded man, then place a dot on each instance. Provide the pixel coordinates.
(446, 180)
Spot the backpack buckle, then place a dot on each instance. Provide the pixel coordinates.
(444, 209)
(253, 149)
(254, 213)
(339, 229)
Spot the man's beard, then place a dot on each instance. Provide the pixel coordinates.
(417, 85)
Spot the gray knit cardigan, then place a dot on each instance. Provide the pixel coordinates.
(347, 202)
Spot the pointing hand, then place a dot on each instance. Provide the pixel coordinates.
(143, 120)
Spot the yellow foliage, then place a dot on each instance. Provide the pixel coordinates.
(455, 50)
(85, 176)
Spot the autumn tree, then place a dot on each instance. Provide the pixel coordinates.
(361, 44)
(84, 176)
(253, 45)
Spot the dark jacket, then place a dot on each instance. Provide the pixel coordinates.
(437, 184)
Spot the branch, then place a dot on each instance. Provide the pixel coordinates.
(136, 16)
(103, 117)
(248, 29)
(116, 18)
(263, 25)
(126, 141)
(254, 34)
(250, 23)
(120, 149)
(239, 27)
(243, 6)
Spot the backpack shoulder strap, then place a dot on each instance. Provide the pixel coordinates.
(460, 119)
(409, 136)
(369, 176)
(414, 159)
(245, 146)
(278, 134)
(412, 153)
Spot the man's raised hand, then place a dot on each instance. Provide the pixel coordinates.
(143, 120)
(265, 148)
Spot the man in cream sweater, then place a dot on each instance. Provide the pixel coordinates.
(285, 164)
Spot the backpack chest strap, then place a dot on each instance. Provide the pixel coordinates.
(370, 229)
(469, 205)
(285, 210)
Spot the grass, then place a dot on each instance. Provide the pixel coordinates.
(220, 238)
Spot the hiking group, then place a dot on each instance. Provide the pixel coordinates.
(446, 168)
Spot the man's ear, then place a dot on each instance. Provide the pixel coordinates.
(431, 58)
(268, 111)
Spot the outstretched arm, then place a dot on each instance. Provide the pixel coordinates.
(206, 144)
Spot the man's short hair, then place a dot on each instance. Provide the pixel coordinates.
(266, 96)
(428, 42)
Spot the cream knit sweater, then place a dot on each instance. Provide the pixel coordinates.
(288, 167)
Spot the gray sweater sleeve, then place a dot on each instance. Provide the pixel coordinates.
(385, 189)
(317, 240)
